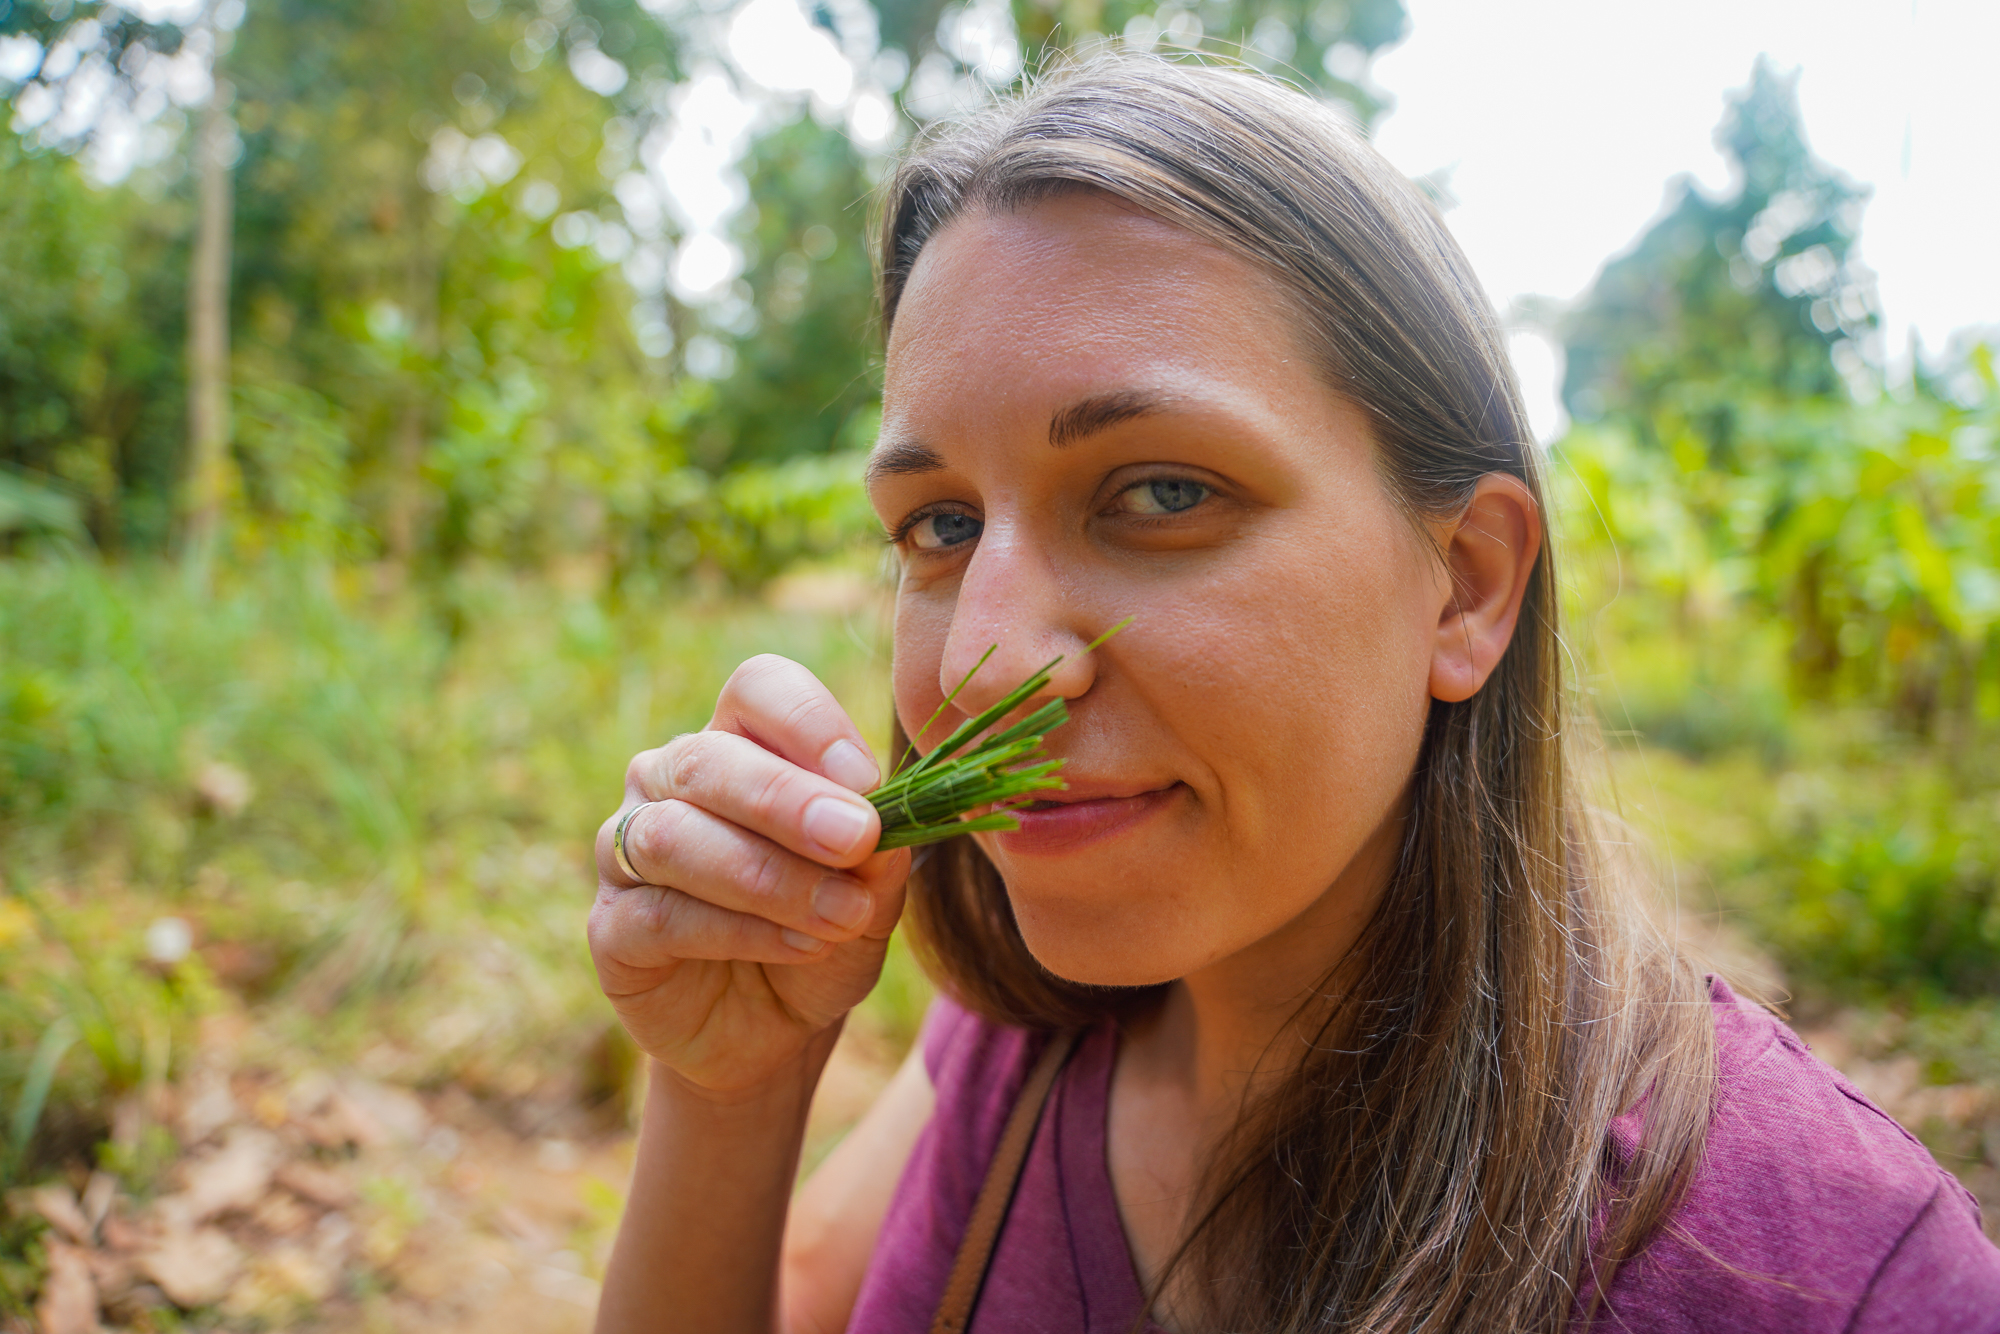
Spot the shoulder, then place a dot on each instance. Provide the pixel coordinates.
(976, 1069)
(1812, 1209)
(961, 1045)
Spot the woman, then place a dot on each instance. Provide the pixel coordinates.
(1372, 1036)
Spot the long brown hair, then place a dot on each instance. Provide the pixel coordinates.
(1440, 1159)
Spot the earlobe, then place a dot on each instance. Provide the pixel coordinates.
(1490, 553)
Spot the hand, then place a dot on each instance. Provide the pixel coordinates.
(761, 912)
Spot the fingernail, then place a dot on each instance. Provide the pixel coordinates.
(850, 766)
(799, 940)
(835, 825)
(841, 902)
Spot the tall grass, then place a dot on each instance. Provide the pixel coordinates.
(374, 812)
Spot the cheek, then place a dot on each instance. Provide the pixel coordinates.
(1294, 662)
(1299, 685)
(1345, 711)
(921, 630)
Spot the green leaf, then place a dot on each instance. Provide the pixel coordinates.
(56, 1041)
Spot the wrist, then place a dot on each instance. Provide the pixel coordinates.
(783, 1095)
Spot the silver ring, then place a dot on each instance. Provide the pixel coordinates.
(618, 842)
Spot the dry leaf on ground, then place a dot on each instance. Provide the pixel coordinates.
(194, 1267)
(69, 1295)
(233, 1177)
(57, 1203)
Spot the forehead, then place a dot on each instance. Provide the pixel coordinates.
(1077, 295)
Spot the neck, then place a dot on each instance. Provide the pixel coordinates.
(1240, 1023)
(1187, 1071)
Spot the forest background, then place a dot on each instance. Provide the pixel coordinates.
(409, 411)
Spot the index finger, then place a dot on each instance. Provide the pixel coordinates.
(783, 707)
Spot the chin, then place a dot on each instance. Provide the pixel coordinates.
(1121, 947)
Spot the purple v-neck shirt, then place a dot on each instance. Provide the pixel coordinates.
(1813, 1210)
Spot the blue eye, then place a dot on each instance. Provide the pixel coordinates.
(936, 531)
(1163, 495)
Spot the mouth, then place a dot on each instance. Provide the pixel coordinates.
(1085, 814)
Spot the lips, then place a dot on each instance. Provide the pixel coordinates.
(1084, 815)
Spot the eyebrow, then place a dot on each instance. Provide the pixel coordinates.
(1101, 412)
(1085, 417)
(902, 457)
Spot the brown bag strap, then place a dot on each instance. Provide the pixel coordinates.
(968, 1270)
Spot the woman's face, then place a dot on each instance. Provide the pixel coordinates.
(1091, 415)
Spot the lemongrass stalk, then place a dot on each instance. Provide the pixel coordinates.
(926, 799)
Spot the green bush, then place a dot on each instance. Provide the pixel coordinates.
(1831, 604)
(1899, 889)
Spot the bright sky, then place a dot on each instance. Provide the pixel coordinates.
(1562, 121)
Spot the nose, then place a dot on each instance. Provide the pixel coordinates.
(1013, 601)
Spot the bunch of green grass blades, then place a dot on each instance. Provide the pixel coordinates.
(922, 802)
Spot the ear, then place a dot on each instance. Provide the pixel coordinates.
(1489, 554)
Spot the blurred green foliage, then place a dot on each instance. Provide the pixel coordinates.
(380, 827)
(1325, 44)
(455, 337)
(1867, 536)
(1902, 892)
(91, 396)
(503, 498)
(1780, 554)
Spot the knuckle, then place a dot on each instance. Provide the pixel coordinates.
(772, 794)
(598, 930)
(658, 913)
(688, 760)
(618, 925)
(641, 769)
(754, 672)
(764, 879)
(660, 830)
(807, 711)
(644, 841)
(764, 665)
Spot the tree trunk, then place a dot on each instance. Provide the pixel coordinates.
(403, 523)
(208, 337)
(406, 462)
